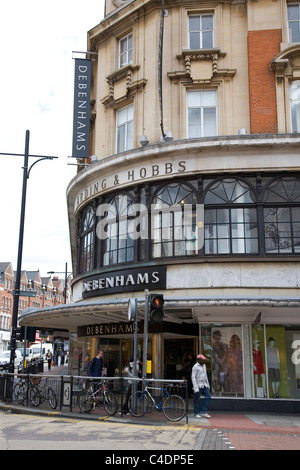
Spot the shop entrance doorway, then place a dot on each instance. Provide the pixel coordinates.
(180, 356)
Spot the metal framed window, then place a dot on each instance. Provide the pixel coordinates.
(173, 221)
(243, 216)
(231, 225)
(282, 216)
(201, 31)
(87, 241)
(118, 244)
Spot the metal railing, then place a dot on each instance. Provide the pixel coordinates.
(65, 392)
(34, 366)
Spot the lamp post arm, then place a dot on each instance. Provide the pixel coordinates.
(39, 160)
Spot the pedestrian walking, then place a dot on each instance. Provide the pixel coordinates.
(49, 358)
(201, 387)
(129, 372)
(96, 365)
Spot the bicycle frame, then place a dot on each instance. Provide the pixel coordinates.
(172, 406)
(89, 398)
(165, 393)
(45, 392)
(99, 392)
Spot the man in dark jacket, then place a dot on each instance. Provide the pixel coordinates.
(96, 365)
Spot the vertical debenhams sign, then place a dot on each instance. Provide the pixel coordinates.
(81, 119)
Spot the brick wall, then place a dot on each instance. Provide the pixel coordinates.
(262, 48)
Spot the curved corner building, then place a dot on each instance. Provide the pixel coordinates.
(192, 191)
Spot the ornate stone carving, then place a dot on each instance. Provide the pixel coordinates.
(118, 3)
(202, 66)
(121, 83)
(197, 57)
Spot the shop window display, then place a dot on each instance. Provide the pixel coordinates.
(293, 346)
(270, 357)
(222, 345)
(249, 361)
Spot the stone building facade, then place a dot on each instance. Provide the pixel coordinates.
(192, 190)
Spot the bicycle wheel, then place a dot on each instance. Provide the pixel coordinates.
(85, 402)
(174, 408)
(34, 396)
(20, 393)
(110, 403)
(41, 392)
(138, 404)
(51, 397)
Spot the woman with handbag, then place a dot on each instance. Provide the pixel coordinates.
(49, 359)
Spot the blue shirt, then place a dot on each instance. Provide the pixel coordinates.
(95, 367)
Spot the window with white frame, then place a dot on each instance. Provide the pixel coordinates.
(125, 50)
(293, 14)
(201, 31)
(295, 105)
(124, 129)
(201, 113)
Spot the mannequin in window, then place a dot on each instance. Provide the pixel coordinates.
(219, 363)
(258, 367)
(273, 366)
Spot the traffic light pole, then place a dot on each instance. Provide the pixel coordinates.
(145, 348)
(24, 350)
(14, 323)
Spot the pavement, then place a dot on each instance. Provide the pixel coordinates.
(222, 431)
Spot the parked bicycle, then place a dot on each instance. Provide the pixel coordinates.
(24, 392)
(40, 393)
(172, 406)
(93, 394)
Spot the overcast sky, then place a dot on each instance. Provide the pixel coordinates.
(37, 85)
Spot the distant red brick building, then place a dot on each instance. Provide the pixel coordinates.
(47, 292)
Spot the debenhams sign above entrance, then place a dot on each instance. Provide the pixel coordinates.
(108, 329)
(125, 281)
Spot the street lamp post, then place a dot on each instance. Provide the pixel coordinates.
(66, 273)
(26, 173)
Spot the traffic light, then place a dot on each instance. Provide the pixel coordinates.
(20, 331)
(156, 308)
(31, 330)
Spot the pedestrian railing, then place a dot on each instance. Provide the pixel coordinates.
(100, 395)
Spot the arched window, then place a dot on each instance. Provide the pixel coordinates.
(117, 231)
(282, 216)
(230, 220)
(87, 236)
(173, 221)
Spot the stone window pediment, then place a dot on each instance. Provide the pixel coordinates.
(287, 62)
